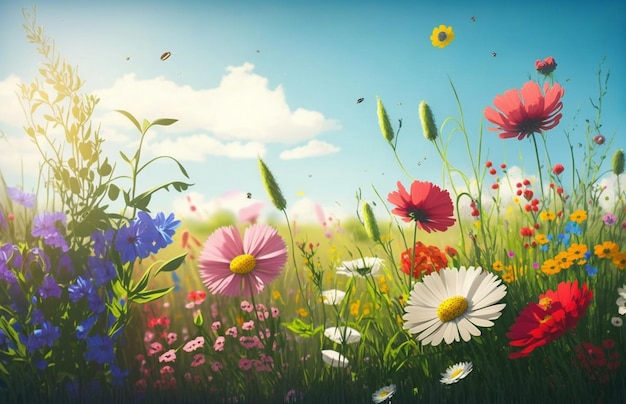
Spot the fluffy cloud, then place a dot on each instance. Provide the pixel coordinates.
(314, 148)
(197, 147)
(242, 107)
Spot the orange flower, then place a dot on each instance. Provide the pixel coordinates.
(564, 260)
(498, 266)
(542, 239)
(550, 267)
(425, 259)
(608, 249)
(577, 252)
(579, 216)
(619, 260)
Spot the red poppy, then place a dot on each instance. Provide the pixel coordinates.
(427, 204)
(546, 66)
(558, 169)
(425, 259)
(526, 111)
(546, 321)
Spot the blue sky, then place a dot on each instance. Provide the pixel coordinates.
(281, 79)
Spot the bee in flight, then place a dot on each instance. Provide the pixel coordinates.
(473, 19)
(360, 100)
(493, 54)
(249, 195)
(166, 56)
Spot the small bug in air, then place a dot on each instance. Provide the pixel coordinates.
(493, 54)
(473, 19)
(166, 56)
(360, 100)
(249, 195)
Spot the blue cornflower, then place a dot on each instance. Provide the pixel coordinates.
(118, 375)
(564, 238)
(102, 242)
(137, 239)
(21, 197)
(95, 302)
(65, 265)
(44, 336)
(45, 226)
(37, 317)
(49, 288)
(591, 271)
(573, 228)
(166, 228)
(81, 288)
(101, 270)
(83, 328)
(100, 349)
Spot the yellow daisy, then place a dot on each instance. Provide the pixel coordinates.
(442, 36)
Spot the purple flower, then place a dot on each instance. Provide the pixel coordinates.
(118, 375)
(37, 256)
(83, 328)
(21, 197)
(81, 288)
(101, 270)
(44, 336)
(102, 242)
(95, 302)
(45, 226)
(609, 219)
(100, 349)
(9, 255)
(49, 288)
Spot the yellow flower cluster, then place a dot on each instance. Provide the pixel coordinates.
(611, 250)
(565, 259)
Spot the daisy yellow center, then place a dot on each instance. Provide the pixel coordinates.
(451, 308)
(442, 36)
(242, 264)
(456, 373)
(384, 394)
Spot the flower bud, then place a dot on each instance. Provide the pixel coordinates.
(271, 187)
(383, 121)
(428, 121)
(618, 162)
(370, 223)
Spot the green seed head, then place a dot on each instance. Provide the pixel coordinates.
(370, 223)
(618, 162)
(271, 187)
(383, 121)
(428, 121)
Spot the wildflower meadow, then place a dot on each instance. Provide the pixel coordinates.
(480, 288)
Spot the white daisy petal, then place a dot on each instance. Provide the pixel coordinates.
(460, 318)
(456, 372)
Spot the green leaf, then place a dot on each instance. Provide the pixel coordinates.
(303, 329)
(114, 192)
(145, 126)
(132, 119)
(141, 285)
(124, 157)
(164, 122)
(172, 264)
(148, 296)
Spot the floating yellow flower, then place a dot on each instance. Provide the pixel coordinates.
(579, 216)
(442, 36)
(547, 215)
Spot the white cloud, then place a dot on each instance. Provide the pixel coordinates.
(242, 107)
(197, 147)
(11, 112)
(314, 148)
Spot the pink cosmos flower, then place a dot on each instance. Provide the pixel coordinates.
(219, 343)
(198, 359)
(194, 344)
(427, 204)
(248, 325)
(232, 331)
(155, 348)
(171, 338)
(246, 306)
(169, 356)
(526, 111)
(245, 364)
(231, 266)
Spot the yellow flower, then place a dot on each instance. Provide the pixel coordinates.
(577, 251)
(302, 312)
(564, 260)
(276, 295)
(608, 249)
(542, 239)
(550, 267)
(547, 215)
(579, 216)
(382, 284)
(442, 36)
(508, 277)
(354, 308)
(497, 266)
(619, 260)
(367, 309)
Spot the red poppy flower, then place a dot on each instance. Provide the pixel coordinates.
(546, 66)
(546, 321)
(427, 204)
(425, 259)
(558, 169)
(526, 111)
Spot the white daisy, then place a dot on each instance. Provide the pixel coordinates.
(621, 305)
(617, 321)
(360, 266)
(334, 358)
(384, 394)
(453, 303)
(333, 296)
(342, 334)
(456, 372)
(622, 291)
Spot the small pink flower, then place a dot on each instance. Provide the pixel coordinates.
(198, 359)
(246, 306)
(219, 343)
(248, 325)
(190, 305)
(194, 344)
(217, 366)
(166, 370)
(171, 338)
(275, 312)
(155, 348)
(232, 331)
(216, 325)
(599, 139)
(169, 356)
(245, 364)
(148, 336)
(250, 342)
